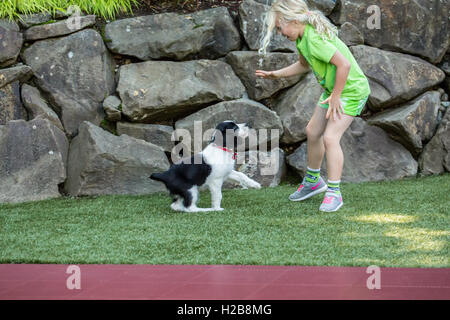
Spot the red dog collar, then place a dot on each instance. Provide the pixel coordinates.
(227, 150)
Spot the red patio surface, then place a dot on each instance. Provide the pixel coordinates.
(222, 282)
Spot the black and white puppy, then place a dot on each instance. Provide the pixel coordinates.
(210, 168)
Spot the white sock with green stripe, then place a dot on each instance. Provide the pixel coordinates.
(334, 186)
(312, 175)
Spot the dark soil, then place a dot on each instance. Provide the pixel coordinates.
(148, 7)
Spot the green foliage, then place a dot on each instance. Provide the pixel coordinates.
(8, 9)
(107, 9)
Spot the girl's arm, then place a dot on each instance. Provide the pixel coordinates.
(342, 70)
(299, 67)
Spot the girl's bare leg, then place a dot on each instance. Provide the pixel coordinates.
(314, 131)
(331, 138)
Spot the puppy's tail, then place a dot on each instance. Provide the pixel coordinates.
(159, 177)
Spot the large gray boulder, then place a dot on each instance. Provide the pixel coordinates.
(77, 73)
(159, 135)
(395, 78)
(258, 117)
(37, 106)
(207, 34)
(101, 163)
(296, 106)
(418, 27)
(435, 158)
(370, 155)
(11, 107)
(244, 64)
(11, 42)
(413, 123)
(161, 90)
(60, 28)
(33, 157)
(251, 15)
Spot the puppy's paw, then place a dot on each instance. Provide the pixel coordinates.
(243, 186)
(175, 206)
(255, 185)
(217, 209)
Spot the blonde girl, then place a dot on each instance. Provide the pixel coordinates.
(346, 90)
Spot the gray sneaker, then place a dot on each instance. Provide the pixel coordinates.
(308, 189)
(331, 202)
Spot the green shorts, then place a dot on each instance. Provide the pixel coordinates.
(351, 107)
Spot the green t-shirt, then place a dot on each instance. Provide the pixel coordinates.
(318, 52)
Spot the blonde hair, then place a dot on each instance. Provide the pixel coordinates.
(294, 10)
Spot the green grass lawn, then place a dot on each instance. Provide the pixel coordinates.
(393, 224)
(104, 8)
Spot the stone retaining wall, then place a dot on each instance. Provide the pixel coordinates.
(75, 119)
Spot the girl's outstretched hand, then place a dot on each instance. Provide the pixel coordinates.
(266, 74)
